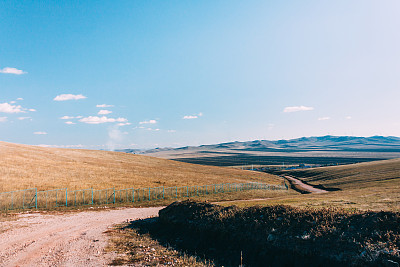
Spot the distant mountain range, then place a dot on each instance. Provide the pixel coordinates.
(327, 143)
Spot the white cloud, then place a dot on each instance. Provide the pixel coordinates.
(65, 97)
(103, 119)
(104, 106)
(124, 124)
(19, 99)
(32, 109)
(297, 108)
(9, 70)
(24, 118)
(190, 117)
(13, 102)
(324, 118)
(67, 118)
(3, 119)
(348, 118)
(148, 122)
(8, 108)
(104, 112)
(171, 131)
(40, 133)
(69, 122)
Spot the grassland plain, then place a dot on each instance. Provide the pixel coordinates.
(23, 166)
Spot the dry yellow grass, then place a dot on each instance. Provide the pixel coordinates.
(353, 176)
(365, 186)
(23, 166)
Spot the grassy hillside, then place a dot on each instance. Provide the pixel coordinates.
(23, 166)
(365, 186)
(362, 175)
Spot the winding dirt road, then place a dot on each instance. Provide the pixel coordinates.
(74, 239)
(304, 187)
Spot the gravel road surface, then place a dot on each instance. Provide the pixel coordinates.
(71, 239)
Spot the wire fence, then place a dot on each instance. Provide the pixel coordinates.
(34, 199)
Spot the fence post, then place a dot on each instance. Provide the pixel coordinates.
(92, 195)
(66, 197)
(133, 194)
(176, 192)
(163, 193)
(36, 198)
(114, 195)
(149, 193)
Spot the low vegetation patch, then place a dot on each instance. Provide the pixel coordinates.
(278, 235)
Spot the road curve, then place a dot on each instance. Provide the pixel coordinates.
(304, 187)
(72, 239)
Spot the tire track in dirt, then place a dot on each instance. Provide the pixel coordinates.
(75, 239)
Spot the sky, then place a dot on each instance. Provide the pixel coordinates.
(145, 74)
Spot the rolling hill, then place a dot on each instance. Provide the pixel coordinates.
(23, 166)
(354, 176)
(308, 150)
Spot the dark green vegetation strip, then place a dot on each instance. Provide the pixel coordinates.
(245, 159)
(279, 235)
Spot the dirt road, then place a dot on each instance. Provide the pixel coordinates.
(304, 187)
(75, 239)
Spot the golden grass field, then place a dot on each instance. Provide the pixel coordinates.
(23, 166)
(365, 186)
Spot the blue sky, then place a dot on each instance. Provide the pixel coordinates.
(142, 74)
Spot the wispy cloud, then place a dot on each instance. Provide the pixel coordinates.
(103, 119)
(65, 97)
(297, 108)
(20, 99)
(348, 118)
(8, 108)
(8, 70)
(171, 131)
(40, 133)
(191, 117)
(148, 122)
(70, 117)
(104, 106)
(104, 112)
(3, 119)
(324, 118)
(24, 118)
(69, 122)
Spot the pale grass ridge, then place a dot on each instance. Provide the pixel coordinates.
(23, 166)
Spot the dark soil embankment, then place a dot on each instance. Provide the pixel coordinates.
(279, 235)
